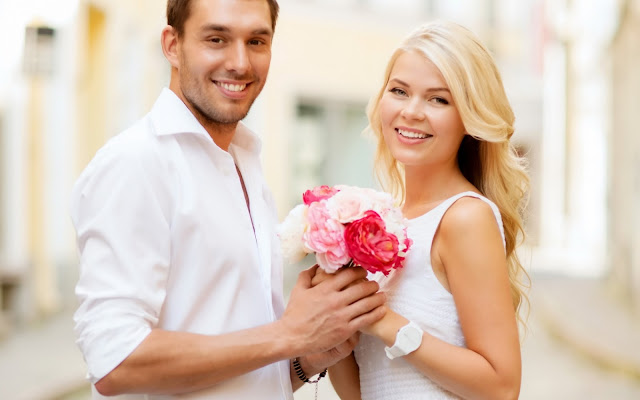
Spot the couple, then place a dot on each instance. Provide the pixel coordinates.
(181, 279)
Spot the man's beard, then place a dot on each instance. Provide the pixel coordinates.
(207, 109)
(195, 93)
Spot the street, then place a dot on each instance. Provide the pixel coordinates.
(42, 363)
(550, 371)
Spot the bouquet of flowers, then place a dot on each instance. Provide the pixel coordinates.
(346, 226)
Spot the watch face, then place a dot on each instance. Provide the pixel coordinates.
(408, 340)
(413, 335)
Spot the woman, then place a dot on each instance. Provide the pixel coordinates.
(443, 125)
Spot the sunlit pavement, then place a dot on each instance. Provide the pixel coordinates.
(551, 371)
(578, 336)
(572, 322)
(42, 362)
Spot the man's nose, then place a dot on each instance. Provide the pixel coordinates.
(238, 58)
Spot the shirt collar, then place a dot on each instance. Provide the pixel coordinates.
(170, 116)
(246, 139)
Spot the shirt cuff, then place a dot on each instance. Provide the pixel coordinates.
(104, 352)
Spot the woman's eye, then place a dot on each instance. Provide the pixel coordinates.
(440, 100)
(398, 91)
(216, 40)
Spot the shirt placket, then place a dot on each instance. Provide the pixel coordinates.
(260, 225)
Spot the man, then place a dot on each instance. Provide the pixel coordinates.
(181, 283)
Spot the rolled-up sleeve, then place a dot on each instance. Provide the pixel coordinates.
(123, 237)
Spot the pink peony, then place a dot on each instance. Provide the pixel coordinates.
(318, 193)
(346, 225)
(325, 237)
(371, 246)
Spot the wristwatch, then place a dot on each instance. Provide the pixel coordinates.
(408, 340)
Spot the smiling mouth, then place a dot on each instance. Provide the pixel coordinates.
(231, 87)
(413, 135)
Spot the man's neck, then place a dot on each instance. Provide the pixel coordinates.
(222, 135)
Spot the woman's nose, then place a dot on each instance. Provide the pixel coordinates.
(413, 110)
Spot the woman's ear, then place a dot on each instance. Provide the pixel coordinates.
(170, 42)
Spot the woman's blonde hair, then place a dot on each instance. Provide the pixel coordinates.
(486, 156)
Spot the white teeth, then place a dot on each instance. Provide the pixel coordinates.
(233, 88)
(413, 135)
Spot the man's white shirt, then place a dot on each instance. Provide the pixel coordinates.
(166, 241)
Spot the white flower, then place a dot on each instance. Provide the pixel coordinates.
(319, 226)
(290, 232)
(395, 223)
(349, 204)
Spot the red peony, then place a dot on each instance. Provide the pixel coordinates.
(318, 193)
(346, 226)
(371, 246)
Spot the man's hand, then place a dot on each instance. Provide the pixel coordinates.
(322, 318)
(321, 276)
(315, 363)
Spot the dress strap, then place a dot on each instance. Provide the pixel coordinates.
(444, 206)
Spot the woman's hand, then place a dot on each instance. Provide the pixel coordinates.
(379, 327)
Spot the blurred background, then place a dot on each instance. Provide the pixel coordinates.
(74, 73)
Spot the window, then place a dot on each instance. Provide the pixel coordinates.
(3, 187)
(328, 147)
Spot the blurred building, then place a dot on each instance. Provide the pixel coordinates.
(37, 103)
(623, 146)
(591, 152)
(102, 68)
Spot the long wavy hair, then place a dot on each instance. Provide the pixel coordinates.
(486, 156)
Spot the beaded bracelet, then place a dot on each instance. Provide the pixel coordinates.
(302, 376)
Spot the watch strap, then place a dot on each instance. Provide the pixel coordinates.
(396, 350)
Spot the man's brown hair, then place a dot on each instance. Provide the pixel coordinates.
(178, 11)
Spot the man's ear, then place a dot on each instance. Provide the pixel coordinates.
(169, 40)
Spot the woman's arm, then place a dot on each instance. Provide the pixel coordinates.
(345, 378)
(470, 248)
(344, 375)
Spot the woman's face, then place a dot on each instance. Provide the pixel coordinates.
(420, 123)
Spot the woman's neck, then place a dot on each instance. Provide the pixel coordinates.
(427, 187)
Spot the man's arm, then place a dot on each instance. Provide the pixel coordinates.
(316, 320)
(125, 263)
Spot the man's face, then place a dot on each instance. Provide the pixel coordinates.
(224, 56)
